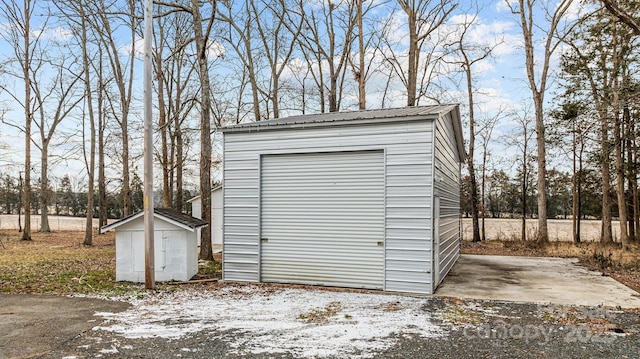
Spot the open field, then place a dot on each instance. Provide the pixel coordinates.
(559, 229)
(496, 228)
(57, 223)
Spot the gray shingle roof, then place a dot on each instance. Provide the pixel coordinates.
(176, 216)
(390, 113)
(183, 220)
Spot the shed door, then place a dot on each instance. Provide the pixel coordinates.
(322, 218)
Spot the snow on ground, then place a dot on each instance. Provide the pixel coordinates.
(303, 322)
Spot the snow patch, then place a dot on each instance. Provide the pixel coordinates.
(302, 322)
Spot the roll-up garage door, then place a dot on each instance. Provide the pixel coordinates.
(322, 219)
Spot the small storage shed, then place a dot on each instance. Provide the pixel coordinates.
(364, 199)
(216, 213)
(175, 246)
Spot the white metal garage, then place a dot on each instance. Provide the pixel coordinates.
(366, 199)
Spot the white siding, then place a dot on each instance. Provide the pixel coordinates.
(174, 254)
(447, 188)
(408, 155)
(216, 215)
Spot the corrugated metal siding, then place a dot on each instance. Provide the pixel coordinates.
(323, 216)
(447, 187)
(408, 151)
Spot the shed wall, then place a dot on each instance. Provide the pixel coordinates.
(174, 252)
(408, 166)
(447, 188)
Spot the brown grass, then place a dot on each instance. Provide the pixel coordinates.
(57, 263)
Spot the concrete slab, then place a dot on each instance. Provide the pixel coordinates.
(534, 279)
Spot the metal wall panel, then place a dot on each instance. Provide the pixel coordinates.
(447, 187)
(408, 148)
(322, 219)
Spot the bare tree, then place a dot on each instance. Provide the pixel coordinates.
(424, 17)
(327, 41)
(538, 74)
(521, 140)
(103, 17)
(174, 72)
(24, 41)
(485, 132)
(60, 95)
(278, 29)
(202, 28)
(470, 54)
(241, 22)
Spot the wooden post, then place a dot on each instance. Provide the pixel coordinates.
(149, 268)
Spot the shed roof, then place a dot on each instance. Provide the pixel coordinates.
(360, 117)
(168, 214)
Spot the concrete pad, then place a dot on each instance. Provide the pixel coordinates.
(534, 279)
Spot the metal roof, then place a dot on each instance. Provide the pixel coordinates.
(359, 117)
(331, 117)
(168, 214)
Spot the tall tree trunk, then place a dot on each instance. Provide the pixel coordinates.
(206, 252)
(102, 181)
(163, 125)
(28, 117)
(362, 100)
(525, 10)
(620, 176)
(470, 156)
(414, 55)
(44, 187)
(88, 231)
(575, 207)
(543, 231)
(525, 170)
(605, 231)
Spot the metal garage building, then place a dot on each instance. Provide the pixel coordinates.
(365, 199)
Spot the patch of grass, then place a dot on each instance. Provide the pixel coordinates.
(58, 263)
(457, 315)
(322, 315)
(209, 269)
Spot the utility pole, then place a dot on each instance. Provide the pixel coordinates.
(20, 202)
(149, 268)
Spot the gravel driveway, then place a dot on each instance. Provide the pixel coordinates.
(260, 321)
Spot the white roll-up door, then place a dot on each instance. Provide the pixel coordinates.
(322, 219)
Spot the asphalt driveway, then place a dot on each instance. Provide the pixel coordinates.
(535, 280)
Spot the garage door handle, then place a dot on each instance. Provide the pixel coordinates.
(264, 239)
(380, 244)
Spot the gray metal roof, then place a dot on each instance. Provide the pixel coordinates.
(335, 117)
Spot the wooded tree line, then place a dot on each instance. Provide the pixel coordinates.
(67, 198)
(74, 67)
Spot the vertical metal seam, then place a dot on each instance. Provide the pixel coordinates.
(434, 140)
(384, 229)
(260, 156)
